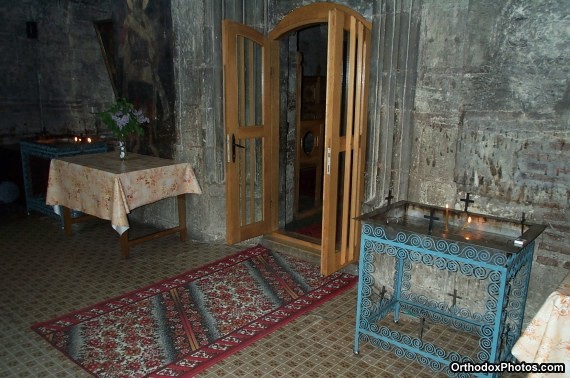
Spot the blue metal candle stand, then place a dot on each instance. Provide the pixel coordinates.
(505, 269)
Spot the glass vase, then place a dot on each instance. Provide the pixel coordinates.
(122, 149)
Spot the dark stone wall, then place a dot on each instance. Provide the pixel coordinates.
(53, 83)
(513, 144)
(145, 70)
(490, 118)
(492, 113)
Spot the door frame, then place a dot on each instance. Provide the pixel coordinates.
(317, 13)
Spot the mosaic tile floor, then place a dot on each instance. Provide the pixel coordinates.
(44, 274)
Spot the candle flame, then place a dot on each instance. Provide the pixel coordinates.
(75, 139)
(446, 206)
(469, 220)
(88, 140)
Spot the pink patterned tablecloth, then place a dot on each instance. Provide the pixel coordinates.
(547, 337)
(106, 187)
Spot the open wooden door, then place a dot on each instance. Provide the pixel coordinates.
(345, 135)
(246, 77)
(252, 109)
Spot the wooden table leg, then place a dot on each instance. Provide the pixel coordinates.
(66, 212)
(125, 244)
(180, 229)
(182, 216)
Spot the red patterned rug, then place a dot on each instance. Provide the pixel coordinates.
(182, 325)
(314, 230)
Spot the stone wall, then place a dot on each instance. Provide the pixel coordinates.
(491, 117)
(52, 83)
(143, 43)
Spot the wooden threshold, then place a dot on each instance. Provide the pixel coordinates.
(294, 241)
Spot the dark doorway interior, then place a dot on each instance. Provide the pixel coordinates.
(303, 143)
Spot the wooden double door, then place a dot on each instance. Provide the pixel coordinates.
(252, 110)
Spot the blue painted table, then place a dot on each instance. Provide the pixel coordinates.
(412, 239)
(47, 149)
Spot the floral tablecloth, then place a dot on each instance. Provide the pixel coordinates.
(547, 337)
(106, 187)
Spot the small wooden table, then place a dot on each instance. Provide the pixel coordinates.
(105, 187)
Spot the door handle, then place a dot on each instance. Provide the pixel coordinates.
(234, 145)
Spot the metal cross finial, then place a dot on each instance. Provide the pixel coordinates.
(467, 201)
(389, 198)
(455, 296)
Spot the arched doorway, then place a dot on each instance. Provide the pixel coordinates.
(254, 114)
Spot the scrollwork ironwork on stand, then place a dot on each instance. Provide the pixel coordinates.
(503, 276)
(434, 244)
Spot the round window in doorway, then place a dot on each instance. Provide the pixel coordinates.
(308, 142)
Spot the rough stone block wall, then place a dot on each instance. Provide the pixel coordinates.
(51, 83)
(492, 118)
(492, 114)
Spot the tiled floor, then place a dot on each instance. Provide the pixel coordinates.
(44, 274)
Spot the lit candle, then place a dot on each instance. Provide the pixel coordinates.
(88, 140)
(446, 217)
